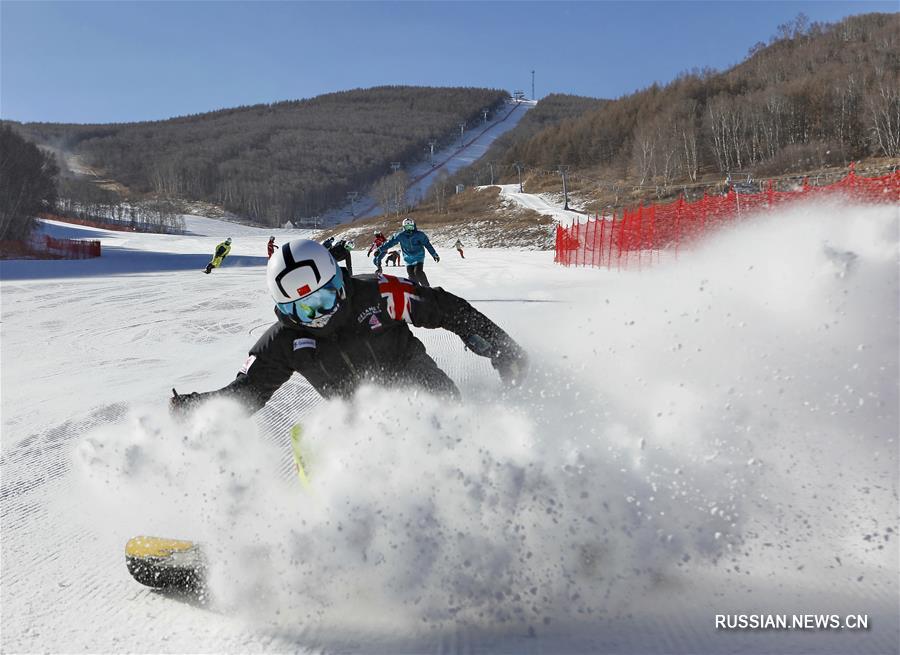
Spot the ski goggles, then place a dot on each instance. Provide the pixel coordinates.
(409, 228)
(321, 302)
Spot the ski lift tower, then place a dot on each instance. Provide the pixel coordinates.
(519, 166)
(352, 196)
(564, 170)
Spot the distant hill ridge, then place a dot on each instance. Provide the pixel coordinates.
(275, 162)
(816, 95)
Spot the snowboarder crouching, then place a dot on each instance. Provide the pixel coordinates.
(393, 258)
(219, 256)
(339, 331)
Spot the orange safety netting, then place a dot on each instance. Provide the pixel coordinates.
(641, 233)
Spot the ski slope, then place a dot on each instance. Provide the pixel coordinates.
(551, 205)
(716, 435)
(474, 144)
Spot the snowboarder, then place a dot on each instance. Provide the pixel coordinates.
(341, 252)
(459, 248)
(270, 247)
(376, 242)
(221, 253)
(338, 331)
(393, 258)
(413, 244)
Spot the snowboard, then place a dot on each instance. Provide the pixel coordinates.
(299, 464)
(167, 564)
(180, 565)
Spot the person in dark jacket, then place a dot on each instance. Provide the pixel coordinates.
(339, 331)
(270, 247)
(393, 258)
(219, 256)
(413, 243)
(341, 252)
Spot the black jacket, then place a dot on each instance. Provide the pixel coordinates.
(340, 252)
(367, 339)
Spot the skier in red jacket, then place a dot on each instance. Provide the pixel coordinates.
(376, 243)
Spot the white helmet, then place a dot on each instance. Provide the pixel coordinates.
(305, 282)
(409, 224)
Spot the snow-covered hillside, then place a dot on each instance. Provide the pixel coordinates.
(545, 204)
(715, 435)
(475, 142)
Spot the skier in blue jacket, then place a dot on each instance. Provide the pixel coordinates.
(413, 243)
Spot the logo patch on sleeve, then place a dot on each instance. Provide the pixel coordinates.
(247, 364)
(304, 343)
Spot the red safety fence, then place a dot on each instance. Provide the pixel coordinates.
(71, 248)
(640, 234)
(13, 249)
(46, 247)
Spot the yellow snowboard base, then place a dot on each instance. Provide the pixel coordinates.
(171, 564)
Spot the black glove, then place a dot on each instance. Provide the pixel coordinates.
(511, 362)
(512, 366)
(437, 259)
(182, 403)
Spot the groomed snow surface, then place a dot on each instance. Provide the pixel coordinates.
(715, 435)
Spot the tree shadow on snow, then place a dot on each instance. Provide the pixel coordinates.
(118, 261)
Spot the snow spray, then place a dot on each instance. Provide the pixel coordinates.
(730, 416)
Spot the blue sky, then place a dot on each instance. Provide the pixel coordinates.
(99, 62)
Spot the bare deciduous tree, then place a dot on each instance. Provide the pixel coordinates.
(883, 104)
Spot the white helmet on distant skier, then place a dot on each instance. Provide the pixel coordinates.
(305, 282)
(409, 224)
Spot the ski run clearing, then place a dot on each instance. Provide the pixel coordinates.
(715, 436)
(473, 145)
